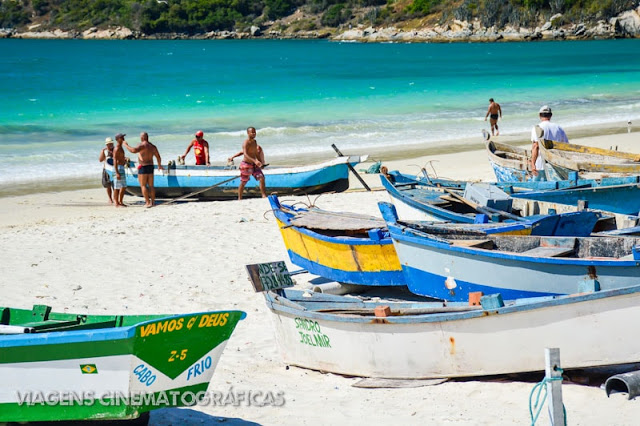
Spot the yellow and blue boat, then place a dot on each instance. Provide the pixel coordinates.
(344, 247)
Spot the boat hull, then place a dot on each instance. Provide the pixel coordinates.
(437, 269)
(221, 183)
(351, 260)
(505, 340)
(111, 373)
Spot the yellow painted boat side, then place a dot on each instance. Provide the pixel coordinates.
(346, 257)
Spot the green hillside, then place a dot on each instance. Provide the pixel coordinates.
(193, 17)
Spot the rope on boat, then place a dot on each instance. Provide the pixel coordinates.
(537, 406)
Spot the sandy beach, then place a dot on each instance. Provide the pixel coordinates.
(73, 251)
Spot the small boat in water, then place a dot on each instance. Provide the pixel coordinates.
(450, 267)
(221, 182)
(62, 366)
(370, 337)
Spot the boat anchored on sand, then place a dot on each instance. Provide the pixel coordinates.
(62, 366)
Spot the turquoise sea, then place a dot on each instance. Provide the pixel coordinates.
(61, 98)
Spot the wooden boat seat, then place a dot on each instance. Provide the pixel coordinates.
(548, 252)
(501, 154)
(486, 244)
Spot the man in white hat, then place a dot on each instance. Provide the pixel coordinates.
(106, 157)
(548, 131)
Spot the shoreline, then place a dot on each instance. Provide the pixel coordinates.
(396, 153)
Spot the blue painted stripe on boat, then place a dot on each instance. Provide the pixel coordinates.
(61, 337)
(76, 336)
(398, 234)
(432, 285)
(379, 278)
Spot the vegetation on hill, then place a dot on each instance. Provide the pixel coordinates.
(200, 16)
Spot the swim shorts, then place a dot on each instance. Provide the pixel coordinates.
(247, 170)
(122, 182)
(145, 170)
(494, 116)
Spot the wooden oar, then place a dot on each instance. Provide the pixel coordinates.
(335, 148)
(198, 191)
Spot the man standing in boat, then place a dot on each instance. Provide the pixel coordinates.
(251, 164)
(106, 157)
(146, 151)
(200, 149)
(545, 130)
(494, 111)
(119, 183)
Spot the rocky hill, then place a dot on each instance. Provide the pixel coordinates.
(361, 20)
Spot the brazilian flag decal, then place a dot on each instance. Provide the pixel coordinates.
(88, 369)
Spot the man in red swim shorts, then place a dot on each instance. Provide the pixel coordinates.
(251, 164)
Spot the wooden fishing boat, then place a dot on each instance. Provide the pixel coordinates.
(591, 162)
(61, 366)
(509, 163)
(415, 200)
(343, 247)
(616, 195)
(412, 340)
(221, 182)
(357, 249)
(449, 267)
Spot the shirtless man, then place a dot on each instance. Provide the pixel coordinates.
(146, 151)
(495, 111)
(200, 149)
(119, 183)
(251, 164)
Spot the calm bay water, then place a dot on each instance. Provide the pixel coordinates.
(61, 98)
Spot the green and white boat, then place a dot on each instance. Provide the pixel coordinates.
(61, 366)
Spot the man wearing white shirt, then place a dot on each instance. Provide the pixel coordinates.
(551, 131)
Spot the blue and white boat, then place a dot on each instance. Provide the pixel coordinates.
(363, 336)
(450, 267)
(619, 195)
(221, 182)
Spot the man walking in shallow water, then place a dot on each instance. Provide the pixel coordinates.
(146, 151)
(494, 111)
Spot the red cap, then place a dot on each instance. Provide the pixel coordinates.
(199, 133)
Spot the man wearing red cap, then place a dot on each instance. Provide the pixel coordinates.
(200, 149)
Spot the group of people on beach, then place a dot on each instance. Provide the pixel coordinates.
(113, 154)
(543, 130)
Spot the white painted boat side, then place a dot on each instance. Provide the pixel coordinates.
(588, 334)
(116, 374)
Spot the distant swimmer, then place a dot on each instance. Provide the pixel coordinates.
(106, 157)
(146, 152)
(252, 162)
(493, 112)
(545, 130)
(200, 149)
